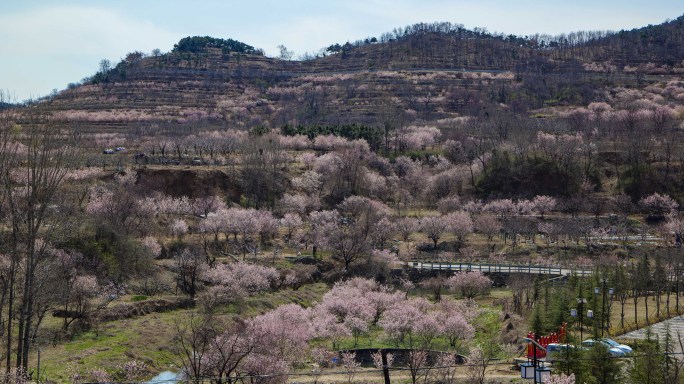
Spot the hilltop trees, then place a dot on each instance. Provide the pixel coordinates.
(197, 44)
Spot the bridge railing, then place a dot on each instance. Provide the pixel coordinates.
(499, 268)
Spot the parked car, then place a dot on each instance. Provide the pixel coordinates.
(556, 351)
(613, 351)
(615, 344)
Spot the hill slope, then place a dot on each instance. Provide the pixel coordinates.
(422, 73)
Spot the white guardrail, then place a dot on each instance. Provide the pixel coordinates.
(499, 268)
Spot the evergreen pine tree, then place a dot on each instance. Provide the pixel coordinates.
(647, 367)
(604, 369)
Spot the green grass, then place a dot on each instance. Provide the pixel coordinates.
(148, 338)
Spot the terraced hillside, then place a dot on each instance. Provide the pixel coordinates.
(421, 73)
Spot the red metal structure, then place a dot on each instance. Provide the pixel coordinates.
(559, 337)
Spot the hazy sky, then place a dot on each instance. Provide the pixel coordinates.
(47, 44)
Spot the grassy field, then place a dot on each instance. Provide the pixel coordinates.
(146, 338)
(631, 324)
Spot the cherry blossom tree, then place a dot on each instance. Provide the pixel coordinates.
(227, 351)
(383, 259)
(152, 245)
(473, 206)
(350, 299)
(382, 231)
(562, 379)
(675, 226)
(433, 227)
(488, 225)
(179, 228)
(244, 225)
(232, 282)
(376, 185)
(299, 275)
(456, 327)
(285, 331)
(357, 327)
(377, 360)
(292, 223)
(415, 137)
(446, 183)
(295, 203)
(350, 364)
(449, 204)
(162, 204)
(444, 368)
(118, 205)
(543, 204)
(406, 226)
(364, 212)
(524, 207)
(435, 285)
(417, 362)
(470, 284)
(347, 243)
(398, 321)
(267, 225)
(459, 223)
(479, 360)
(657, 205)
(427, 328)
(320, 222)
(326, 325)
(310, 182)
(502, 208)
(264, 368)
(202, 206)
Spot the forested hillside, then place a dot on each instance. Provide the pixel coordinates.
(233, 217)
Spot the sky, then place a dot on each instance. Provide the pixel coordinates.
(47, 44)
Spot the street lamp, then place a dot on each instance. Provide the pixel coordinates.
(606, 294)
(579, 312)
(527, 371)
(539, 374)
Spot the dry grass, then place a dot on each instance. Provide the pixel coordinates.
(146, 338)
(631, 324)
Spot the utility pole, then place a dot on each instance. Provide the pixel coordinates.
(385, 367)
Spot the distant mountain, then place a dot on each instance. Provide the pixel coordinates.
(419, 73)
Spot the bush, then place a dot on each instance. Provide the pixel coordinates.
(510, 177)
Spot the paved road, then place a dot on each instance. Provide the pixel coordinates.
(500, 268)
(659, 329)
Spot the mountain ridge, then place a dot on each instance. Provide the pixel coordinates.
(442, 64)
